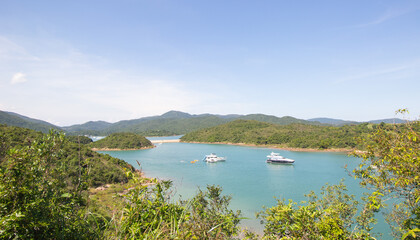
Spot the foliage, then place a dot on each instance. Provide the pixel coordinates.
(333, 216)
(122, 141)
(35, 200)
(43, 195)
(44, 178)
(209, 216)
(102, 168)
(391, 167)
(292, 135)
(151, 214)
(79, 139)
(13, 136)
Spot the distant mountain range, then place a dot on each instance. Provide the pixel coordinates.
(339, 122)
(14, 119)
(170, 123)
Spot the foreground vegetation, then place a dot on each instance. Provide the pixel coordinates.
(38, 199)
(390, 169)
(77, 156)
(45, 195)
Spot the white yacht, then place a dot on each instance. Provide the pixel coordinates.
(276, 158)
(213, 158)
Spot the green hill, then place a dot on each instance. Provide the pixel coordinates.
(169, 126)
(293, 135)
(93, 128)
(170, 123)
(122, 141)
(276, 120)
(177, 123)
(332, 121)
(14, 119)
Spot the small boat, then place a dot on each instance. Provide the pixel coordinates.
(213, 158)
(276, 158)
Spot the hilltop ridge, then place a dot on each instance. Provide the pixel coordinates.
(169, 123)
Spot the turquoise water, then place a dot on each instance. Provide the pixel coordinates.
(165, 138)
(245, 175)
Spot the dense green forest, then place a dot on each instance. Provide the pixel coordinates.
(292, 135)
(103, 169)
(122, 141)
(79, 139)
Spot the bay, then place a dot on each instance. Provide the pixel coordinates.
(245, 176)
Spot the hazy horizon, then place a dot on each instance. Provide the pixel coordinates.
(72, 62)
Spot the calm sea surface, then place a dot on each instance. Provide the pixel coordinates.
(245, 175)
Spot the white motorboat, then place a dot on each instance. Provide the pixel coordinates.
(213, 158)
(276, 158)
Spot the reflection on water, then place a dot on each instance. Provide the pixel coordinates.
(280, 166)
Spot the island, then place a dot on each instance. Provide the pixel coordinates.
(122, 141)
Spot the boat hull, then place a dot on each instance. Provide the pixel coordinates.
(214, 161)
(281, 161)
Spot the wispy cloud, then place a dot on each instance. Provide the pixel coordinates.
(380, 73)
(18, 78)
(390, 14)
(10, 50)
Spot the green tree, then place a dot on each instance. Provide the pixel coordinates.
(150, 213)
(123, 141)
(391, 168)
(210, 217)
(334, 215)
(35, 200)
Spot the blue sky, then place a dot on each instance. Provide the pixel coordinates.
(68, 62)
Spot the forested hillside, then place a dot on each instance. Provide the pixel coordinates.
(122, 141)
(93, 128)
(14, 119)
(292, 135)
(276, 120)
(167, 124)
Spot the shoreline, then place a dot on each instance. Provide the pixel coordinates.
(135, 149)
(166, 141)
(251, 223)
(332, 150)
(338, 150)
(121, 149)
